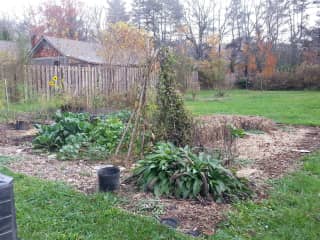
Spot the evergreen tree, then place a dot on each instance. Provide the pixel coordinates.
(5, 35)
(161, 17)
(6, 29)
(117, 11)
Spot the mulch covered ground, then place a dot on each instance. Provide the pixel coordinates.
(260, 156)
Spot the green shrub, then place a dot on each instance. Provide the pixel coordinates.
(75, 135)
(212, 74)
(178, 172)
(173, 122)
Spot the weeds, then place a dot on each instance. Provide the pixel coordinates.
(152, 206)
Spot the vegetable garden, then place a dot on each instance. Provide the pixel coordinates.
(175, 167)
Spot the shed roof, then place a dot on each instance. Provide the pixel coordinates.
(84, 51)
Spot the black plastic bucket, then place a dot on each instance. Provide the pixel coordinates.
(22, 125)
(109, 179)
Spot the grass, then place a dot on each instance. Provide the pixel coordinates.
(290, 107)
(52, 211)
(291, 212)
(47, 210)
(35, 106)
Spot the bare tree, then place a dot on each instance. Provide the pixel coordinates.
(275, 16)
(220, 17)
(93, 20)
(198, 18)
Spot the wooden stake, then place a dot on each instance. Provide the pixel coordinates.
(7, 95)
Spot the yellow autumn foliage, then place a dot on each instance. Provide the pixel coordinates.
(125, 44)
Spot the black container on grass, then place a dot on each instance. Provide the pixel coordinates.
(109, 179)
(8, 226)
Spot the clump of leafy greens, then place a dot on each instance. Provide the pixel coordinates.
(178, 172)
(76, 135)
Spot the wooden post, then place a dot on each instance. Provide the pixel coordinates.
(7, 95)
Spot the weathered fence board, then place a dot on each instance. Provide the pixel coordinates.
(82, 81)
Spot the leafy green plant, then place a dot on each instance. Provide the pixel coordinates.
(54, 136)
(74, 144)
(237, 132)
(122, 115)
(107, 132)
(178, 172)
(76, 135)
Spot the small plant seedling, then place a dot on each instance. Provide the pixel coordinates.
(237, 132)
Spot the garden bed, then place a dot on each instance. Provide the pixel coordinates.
(262, 155)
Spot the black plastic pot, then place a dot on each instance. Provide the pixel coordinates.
(21, 125)
(109, 179)
(8, 226)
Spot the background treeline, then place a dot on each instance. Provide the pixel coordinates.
(269, 44)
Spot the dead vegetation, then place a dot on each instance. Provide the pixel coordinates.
(215, 133)
(213, 128)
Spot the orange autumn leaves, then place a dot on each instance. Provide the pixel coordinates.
(260, 59)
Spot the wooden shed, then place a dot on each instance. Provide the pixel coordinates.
(60, 51)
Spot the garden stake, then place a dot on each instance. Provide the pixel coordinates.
(7, 95)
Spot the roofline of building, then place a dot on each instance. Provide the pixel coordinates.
(38, 44)
(43, 37)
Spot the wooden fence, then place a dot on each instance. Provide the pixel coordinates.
(47, 80)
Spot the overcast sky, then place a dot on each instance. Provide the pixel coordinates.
(15, 8)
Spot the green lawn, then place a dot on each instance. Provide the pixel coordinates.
(291, 212)
(291, 107)
(52, 211)
(47, 210)
(36, 107)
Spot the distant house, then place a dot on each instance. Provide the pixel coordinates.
(59, 51)
(9, 51)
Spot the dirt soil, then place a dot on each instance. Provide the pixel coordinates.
(260, 156)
